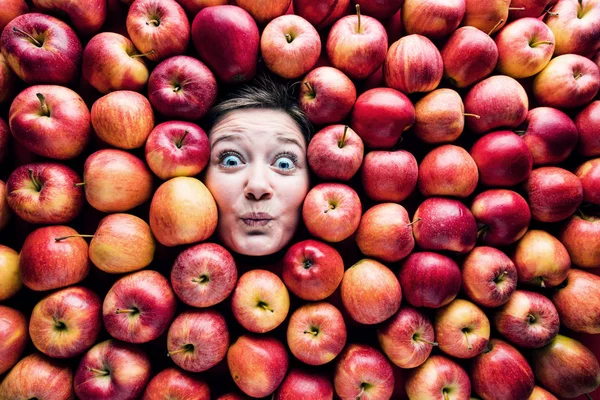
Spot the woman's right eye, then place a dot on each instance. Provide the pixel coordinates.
(228, 159)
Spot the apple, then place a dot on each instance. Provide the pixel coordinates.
(112, 369)
(327, 95)
(232, 396)
(227, 40)
(321, 13)
(380, 116)
(525, 47)
(52, 121)
(264, 12)
(462, 329)
(35, 39)
(553, 193)
(198, 340)
(541, 259)
(111, 62)
(7, 86)
(12, 9)
(499, 100)
(413, 64)
(335, 153)
(576, 26)
(38, 377)
(539, 393)
(194, 6)
(86, 17)
(579, 313)
(432, 18)
(438, 374)
(159, 28)
(13, 337)
(503, 216)
(172, 383)
(527, 8)
(448, 170)
(301, 384)
(66, 323)
(567, 81)
(389, 176)
(489, 277)
(53, 257)
(380, 9)
(579, 235)
(10, 282)
(249, 351)
(363, 372)
(316, 333)
(469, 56)
(182, 87)
(589, 175)
(487, 16)
(444, 224)
(139, 307)
(332, 211)
(501, 372)
(566, 367)
(357, 45)
(116, 181)
(588, 123)
(407, 338)
(182, 211)
(312, 270)
(260, 301)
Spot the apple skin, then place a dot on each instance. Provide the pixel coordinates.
(10, 282)
(462, 329)
(541, 259)
(469, 56)
(356, 45)
(379, 9)
(13, 337)
(489, 277)
(264, 13)
(86, 17)
(588, 123)
(38, 377)
(439, 374)
(312, 270)
(566, 367)
(448, 170)
(429, 279)
(579, 313)
(7, 87)
(335, 153)
(182, 87)
(380, 116)
(589, 175)
(532, 8)
(576, 26)
(112, 369)
(501, 372)
(431, 18)
(407, 338)
(316, 333)
(46, 263)
(525, 47)
(413, 64)
(361, 371)
(111, 62)
(553, 193)
(439, 117)
(389, 176)
(577, 235)
(5, 134)
(12, 9)
(159, 28)
(503, 216)
(332, 211)
(116, 181)
(193, 7)
(321, 14)
(66, 323)
(60, 50)
(5, 210)
(327, 95)
(488, 16)
(370, 292)
(557, 86)
(172, 383)
(499, 100)
(303, 385)
(539, 393)
(62, 134)
(45, 193)
(204, 275)
(139, 307)
(249, 351)
(227, 40)
(198, 340)
(444, 224)
(260, 301)
(528, 320)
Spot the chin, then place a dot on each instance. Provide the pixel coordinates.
(255, 242)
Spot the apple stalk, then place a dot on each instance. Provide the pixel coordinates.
(22, 32)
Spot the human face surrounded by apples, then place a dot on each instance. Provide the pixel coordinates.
(257, 164)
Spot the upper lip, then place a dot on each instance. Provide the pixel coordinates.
(256, 215)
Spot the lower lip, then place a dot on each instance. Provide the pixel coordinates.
(256, 222)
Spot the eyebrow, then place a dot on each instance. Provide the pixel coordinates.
(235, 137)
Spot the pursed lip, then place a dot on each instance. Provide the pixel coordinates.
(257, 216)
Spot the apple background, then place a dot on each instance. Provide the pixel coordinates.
(380, 127)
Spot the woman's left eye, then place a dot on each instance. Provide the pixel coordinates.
(286, 162)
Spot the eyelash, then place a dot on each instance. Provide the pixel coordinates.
(223, 154)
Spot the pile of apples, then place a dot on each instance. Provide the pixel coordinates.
(450, 245)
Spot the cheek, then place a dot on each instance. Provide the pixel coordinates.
(222, 187)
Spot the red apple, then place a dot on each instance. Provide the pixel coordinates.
(171, 383)
(303, 385)
(576, 26)
(448, 170)
(12, 9)
(7, 86)
(589, 175)
(487, 16)
(389, 175)
(579, 313)
(38, 377)
(439, 374)
(321, 14)
(380, 9)
(87, 17)
(266, 11)
(335, 153)
(13, 337)
(10, 282)
(194, 6)
(432, 18)
(588, 123)
(579, 236)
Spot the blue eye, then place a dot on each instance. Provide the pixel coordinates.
(228, 159)
(290, 162)
(231, 159)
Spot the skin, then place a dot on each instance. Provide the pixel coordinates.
(257, 178)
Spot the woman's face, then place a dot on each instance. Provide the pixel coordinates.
(257, 165)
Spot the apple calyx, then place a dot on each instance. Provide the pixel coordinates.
(37, 185)
(58, 239)
(414, 222)
(363, 385)
(143, 55)
(541, 42)
(465, 331)
(358, 15)
(131, 311)
(265, 306)
(471, 115)
(31, 38)
(185, 348)
(201, 279)
(45, 110)
(179, 142)
(417, 338)
(342, 142)
(496, 27)
(99, 372)
(313, 331)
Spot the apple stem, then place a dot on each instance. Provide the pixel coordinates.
(502, 275)
(153, 22)
(542, 284)
(446, 395)
(420, 339)
(35, 182)
(170, 353)
(530, 318)
(541, 42)
(343, 141)
(520, 133)
(471, 115)
(179, 143)
(34, 40)
(101, 372)
(516, 8)
(414, 222)
(201, 279)
(42, 99)
(58, 239)
(288, 37)
(483, 231)
(265, 306)
(143, 55)
(80, 184)
(312, 333)
(309, 87)
(468, 343)
(358, 15)
(588, 396)
(125, 310)
(331, 207)
(496, 27)
(362, 388)
(579, 75)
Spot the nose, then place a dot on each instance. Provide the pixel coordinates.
(258, 185)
